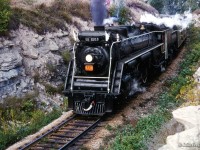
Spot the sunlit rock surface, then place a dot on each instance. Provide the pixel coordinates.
(25, 54)
(190, 138)
(10, 60)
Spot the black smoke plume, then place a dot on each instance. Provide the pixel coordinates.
(98, 11)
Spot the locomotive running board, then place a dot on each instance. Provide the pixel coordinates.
(86, 83)
(117, 76)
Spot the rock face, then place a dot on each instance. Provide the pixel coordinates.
(24, 55)
(138, 8)
(10, 60)
(190, 138)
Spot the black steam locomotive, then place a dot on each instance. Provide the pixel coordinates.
(107, 60)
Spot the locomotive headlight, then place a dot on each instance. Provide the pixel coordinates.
(89, 58)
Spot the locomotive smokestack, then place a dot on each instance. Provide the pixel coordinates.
(98, 11)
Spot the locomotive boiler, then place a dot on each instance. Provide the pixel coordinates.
(107, 60)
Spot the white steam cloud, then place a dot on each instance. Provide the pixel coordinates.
(136, 87)
(182, 21)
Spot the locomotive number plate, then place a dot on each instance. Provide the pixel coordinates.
(92, 39)
(89, 68)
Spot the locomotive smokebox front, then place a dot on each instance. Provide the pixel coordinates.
(92, 56)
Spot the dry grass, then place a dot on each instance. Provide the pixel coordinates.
(43, 19)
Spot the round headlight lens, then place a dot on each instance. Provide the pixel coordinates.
(89, 58)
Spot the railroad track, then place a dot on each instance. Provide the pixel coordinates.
(65, 135)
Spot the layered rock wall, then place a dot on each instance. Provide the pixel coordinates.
(25, 56)
(25, 53)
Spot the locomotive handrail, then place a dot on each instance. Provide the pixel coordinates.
(73, 67)
(110, 65)
(111, 49)
(144, 34)
(68, 69)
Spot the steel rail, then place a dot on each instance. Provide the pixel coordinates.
(69, 144)
(80, 125)
(47, 133)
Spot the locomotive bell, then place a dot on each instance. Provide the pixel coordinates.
(142, 27)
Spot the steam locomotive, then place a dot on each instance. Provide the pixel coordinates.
(108, 60)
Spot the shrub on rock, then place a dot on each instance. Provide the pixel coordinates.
(5, 13)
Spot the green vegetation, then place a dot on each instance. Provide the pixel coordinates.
(36, 76)
(66, 56)
(64, 106)
(175, 6)
(44, 19)
(51, 67)
(5, 13)
(136, 138)
(22, 117)
(123, 14)
(17, 109)
(191, 4)
(157, 4)
(53, 90)
(11, 134)
(129, 137)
